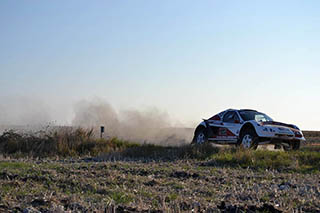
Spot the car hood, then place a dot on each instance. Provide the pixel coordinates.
(276, 123)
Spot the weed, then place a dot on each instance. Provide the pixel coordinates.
(120, 197)
(144, 193)
(171, 197)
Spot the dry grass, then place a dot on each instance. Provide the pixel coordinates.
(62, 142)
(305, 161)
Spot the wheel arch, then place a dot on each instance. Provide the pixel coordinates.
(246, 127)
(200, 126)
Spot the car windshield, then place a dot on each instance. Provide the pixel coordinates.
(248, 115)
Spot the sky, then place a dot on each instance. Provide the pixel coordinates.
(190, 59)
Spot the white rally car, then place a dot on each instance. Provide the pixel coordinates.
(248, 129)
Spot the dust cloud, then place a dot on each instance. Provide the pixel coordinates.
(143, 126)
(149, 125)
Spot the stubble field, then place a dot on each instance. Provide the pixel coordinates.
(82, 174)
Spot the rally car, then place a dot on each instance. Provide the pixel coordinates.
(247, 129)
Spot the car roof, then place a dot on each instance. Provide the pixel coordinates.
(248, 110)
(240, 110)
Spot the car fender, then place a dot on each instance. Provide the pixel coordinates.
(201, 125)
(249, 124)
(261, 130)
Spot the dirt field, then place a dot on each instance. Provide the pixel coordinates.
(164, 179)
(188, 185)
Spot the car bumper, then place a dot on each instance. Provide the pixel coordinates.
(282, 134)
(280, 140)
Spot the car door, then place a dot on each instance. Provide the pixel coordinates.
(231, 123)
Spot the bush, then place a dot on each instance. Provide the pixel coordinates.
(63, 142)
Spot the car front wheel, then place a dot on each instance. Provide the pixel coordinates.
(249, 140)
(200, 137)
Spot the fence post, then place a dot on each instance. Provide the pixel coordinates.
(101, 131)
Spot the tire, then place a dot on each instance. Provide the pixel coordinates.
(200, 137)
(248, 140)
(296, 145)
(292, 146)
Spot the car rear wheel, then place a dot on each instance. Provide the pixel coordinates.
(248, 140)
(200, 137)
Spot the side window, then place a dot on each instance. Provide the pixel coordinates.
(236, 117)
(229, 117)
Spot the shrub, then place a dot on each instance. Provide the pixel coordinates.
(62, 142)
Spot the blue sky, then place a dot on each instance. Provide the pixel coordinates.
(190, 59)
